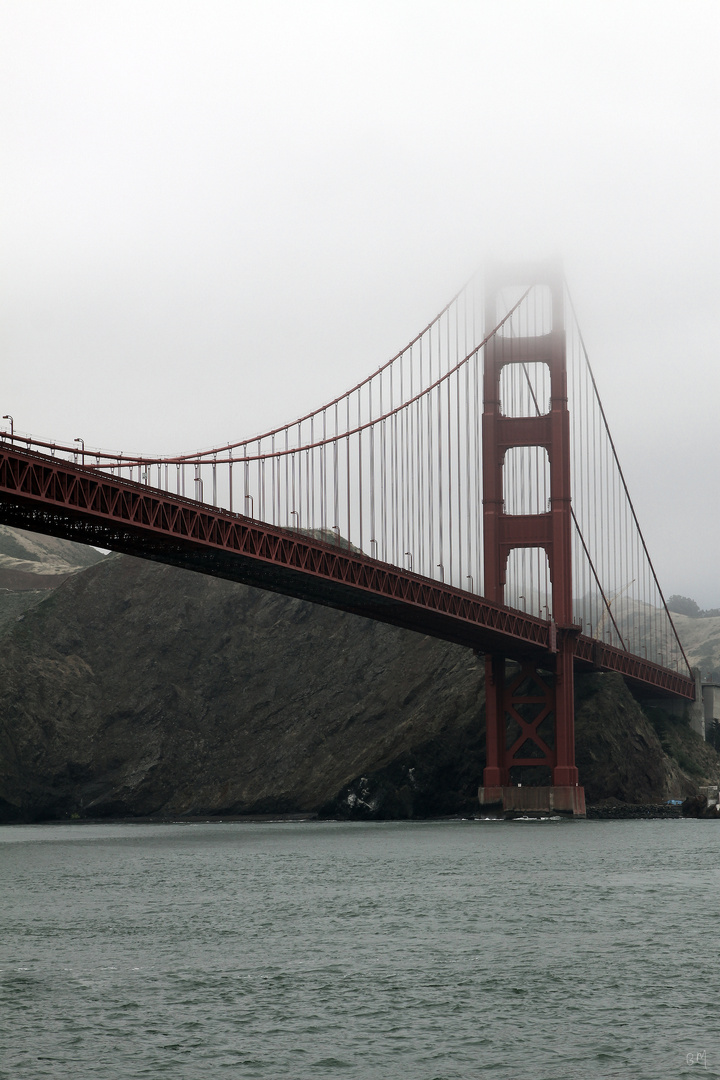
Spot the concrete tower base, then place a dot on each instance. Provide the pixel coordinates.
(534, 800)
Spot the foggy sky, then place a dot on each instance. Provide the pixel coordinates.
(218, 214)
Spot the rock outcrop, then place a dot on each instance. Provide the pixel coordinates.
(618, 751)
(142, 689)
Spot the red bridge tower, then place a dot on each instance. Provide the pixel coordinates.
(530, 719)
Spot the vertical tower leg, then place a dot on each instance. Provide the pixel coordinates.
(565, 772)
(495, 773)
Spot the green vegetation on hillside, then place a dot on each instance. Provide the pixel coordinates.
(684, 605)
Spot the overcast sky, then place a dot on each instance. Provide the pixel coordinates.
(215, 214)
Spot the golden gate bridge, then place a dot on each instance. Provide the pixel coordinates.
(469, 488)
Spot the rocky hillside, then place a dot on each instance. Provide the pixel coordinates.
(139, 689)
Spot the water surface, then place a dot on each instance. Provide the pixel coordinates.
(416, 951)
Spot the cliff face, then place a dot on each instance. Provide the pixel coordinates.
(139, 689)
(619, 752)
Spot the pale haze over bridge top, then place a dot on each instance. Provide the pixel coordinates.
(218, 215)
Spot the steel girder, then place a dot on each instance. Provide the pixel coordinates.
(641, 673)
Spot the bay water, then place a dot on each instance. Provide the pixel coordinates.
(527, 950)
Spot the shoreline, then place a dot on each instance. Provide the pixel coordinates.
(613, 812)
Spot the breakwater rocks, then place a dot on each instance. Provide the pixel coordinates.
(697, 806)
(632, 811)
(694, 806)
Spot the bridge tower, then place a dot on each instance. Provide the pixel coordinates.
(530, 720)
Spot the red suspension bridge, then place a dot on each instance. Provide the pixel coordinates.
(468, 489)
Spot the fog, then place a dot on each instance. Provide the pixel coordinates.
(217, 214)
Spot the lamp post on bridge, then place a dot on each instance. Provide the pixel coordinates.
(12, 426)
(82, 451)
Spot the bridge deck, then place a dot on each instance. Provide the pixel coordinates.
(61, 498)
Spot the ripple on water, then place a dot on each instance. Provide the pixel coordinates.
(407, 950)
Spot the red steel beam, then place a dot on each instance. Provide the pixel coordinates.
(591, 654)
(59, 497)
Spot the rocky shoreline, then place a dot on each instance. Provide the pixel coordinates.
(629, 811)
(694, 806)
(617, 812)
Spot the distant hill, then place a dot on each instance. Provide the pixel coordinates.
(701, 640)
(699, 631)
(45, 555)
(31, 564)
